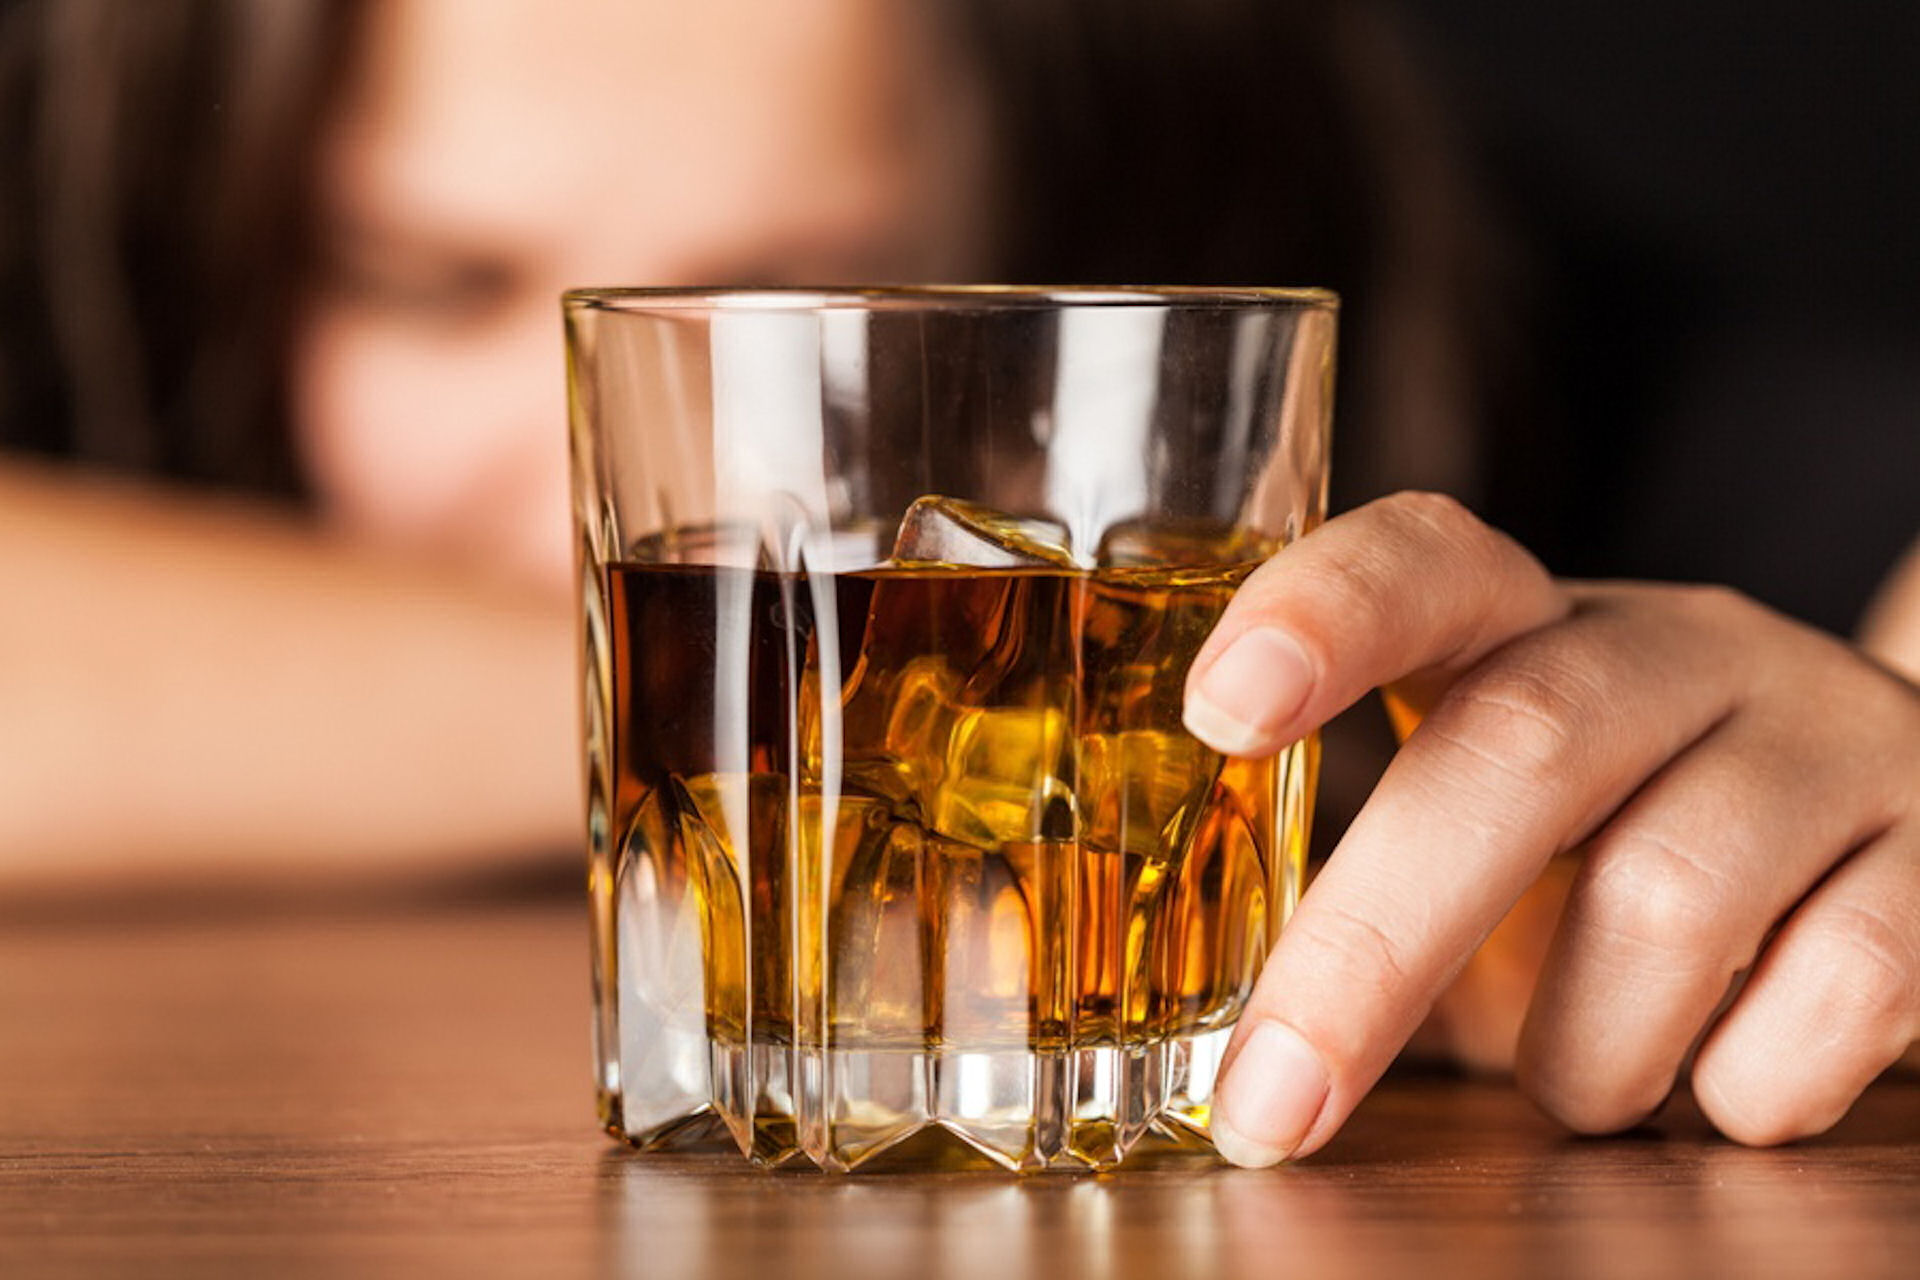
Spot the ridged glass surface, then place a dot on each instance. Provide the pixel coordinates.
(989, 887)
(898, 848)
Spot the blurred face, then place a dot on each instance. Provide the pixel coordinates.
(491, 153)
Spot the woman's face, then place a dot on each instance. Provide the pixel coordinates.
(491, 153)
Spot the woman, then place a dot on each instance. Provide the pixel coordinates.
(272, 248)
(382, 680)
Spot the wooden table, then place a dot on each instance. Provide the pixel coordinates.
(367, 1087)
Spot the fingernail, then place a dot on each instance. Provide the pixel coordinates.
(1270, 1099)
(1256, 686)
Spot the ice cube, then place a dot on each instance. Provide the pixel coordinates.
(940, 530)
(1141, 791)
(978, 775)
(957, 711)
(1179, 542)
(1006, 777)
(896, 736)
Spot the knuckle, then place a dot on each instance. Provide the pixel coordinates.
(1650, 895)
(1717, 605)
(1519, 721)
(1439, 512)
(1451, 518)
(1868, 966)
(1347, 597)
(1476, 562)
(1847, 975)
(1426, 520)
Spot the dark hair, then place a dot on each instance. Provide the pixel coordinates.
(1269, 142)
(154, 197)
(156, 179)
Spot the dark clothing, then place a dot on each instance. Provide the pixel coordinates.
(1724, 215)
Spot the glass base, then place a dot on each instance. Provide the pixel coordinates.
(1075, 1110)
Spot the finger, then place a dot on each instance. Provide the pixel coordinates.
(1521, 759)
(1475, 1022)
(1406, 584)
(1832, 1004)
(1676, 895)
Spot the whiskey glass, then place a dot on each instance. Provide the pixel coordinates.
(899, 852)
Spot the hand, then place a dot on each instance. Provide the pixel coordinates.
(1745, 792)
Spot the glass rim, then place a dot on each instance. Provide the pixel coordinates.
(944, 297)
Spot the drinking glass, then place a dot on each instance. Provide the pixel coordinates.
(898, 847)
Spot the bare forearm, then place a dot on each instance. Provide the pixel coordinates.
(190, 688)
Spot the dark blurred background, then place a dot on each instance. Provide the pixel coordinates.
(1720, 204)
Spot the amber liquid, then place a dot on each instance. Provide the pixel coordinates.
(937, 807)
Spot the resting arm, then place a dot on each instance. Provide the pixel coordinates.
(193, 687)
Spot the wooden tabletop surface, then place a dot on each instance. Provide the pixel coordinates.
(369, 1087)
